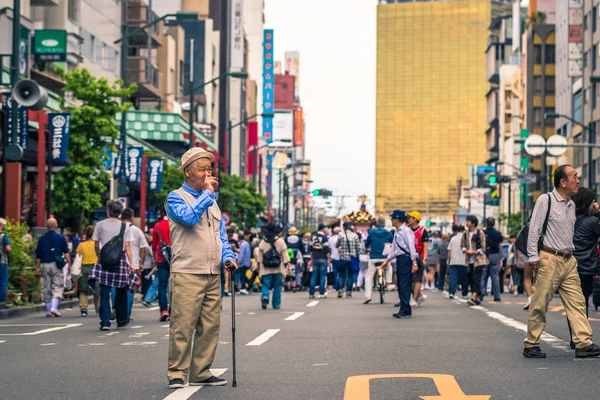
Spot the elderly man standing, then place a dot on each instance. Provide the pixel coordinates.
(199, 246)
(550, 250)
(52, 248)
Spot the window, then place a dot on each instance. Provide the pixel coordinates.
(594, 95)
(111, 59)
(172, 82)
(550, 84)
(585, 59)
(537, 84)
(98, 52)
(550, 54)
(87, 49)
(180, 74)
(594, 57)
(73, 10)
(537, 116)
(93, 47)
(594, 19)
(585, 21)
(537, 54)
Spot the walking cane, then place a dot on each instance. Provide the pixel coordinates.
(232, 273)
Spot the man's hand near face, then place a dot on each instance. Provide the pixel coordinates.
(210, 182)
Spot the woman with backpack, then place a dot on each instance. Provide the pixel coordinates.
(272, 262)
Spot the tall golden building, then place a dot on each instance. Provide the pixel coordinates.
(431, 104)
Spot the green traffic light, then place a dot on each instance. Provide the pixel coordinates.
(428, 223)
(316, 192)
(492, 179)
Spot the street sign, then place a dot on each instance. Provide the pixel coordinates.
(485, 169)
(556, 140)
(50, 45)
(226, 217)
(535, 140)
(527, 178)
(299, 192)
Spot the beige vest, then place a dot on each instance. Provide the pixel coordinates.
(197, 249)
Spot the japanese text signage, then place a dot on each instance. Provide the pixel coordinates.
(50, 45)
(575, 68)
(268, 85)
(134, 164)
(155, 173)
(237, 35)
(22, 126)
(60, 127)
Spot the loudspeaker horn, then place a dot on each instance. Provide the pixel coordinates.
(29, 94)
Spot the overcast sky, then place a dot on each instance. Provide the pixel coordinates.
(337, 44)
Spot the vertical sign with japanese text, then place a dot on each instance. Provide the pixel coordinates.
(576, 38)
(237, 35)
(268, 85)
(60, 128)
(155, 173)
(134, 164)
(22, 126)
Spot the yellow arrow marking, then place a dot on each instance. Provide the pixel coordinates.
(357, 387)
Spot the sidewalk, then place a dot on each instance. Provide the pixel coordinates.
(16, 312)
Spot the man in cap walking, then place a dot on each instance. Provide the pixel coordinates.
(199, 246)
(405, 253)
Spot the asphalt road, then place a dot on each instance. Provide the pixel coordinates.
(319, 352)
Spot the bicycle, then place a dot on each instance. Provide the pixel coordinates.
(379, 282)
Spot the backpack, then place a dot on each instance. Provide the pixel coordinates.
(272, 258)
(523, 236)
(111, 252)
(317, 242)
(165, 248)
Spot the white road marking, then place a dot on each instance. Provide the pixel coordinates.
(96, 344)
(47, 344)
(251, 313)
(312, 303)
(543, 368)
(223, 342)
(57, 327)
(187, 391)
(268, 334)
(111, 334)
(138, 344)
(137, 327)
(2, 341)
(139, 335)
(294, 316)
(320, 365)
(555, 342)
(165, 326)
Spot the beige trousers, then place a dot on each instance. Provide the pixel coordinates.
(557, 273)
(371, 276)
(195, 313)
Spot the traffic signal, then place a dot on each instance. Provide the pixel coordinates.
(322, 192)
(316, 192)
(492, 179)
(428, 223)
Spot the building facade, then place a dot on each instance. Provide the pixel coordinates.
(431, 105)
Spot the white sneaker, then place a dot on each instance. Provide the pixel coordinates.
(391, 287)
(421, 299)
(413, 303)
(243, 292)
(451, 296)
(324, 296)
(435, 290)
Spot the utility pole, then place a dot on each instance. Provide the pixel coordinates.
(192, 93)
(224, 84)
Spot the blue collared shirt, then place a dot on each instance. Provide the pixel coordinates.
(404, 243)
(244, 256)
(188, 215)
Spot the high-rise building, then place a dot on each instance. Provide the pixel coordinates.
(431, 104)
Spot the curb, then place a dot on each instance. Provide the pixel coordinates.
(16, 312)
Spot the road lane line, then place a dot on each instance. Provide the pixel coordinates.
(312, 303)
(47, 344)
(2, 341)
(268, 334)
(138, 344)
(294, 316)
(552, 340)
(137, 327)
(56, 328)
(187, 392)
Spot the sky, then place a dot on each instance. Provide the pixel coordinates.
(337, 44)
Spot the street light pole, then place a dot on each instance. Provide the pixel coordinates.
(15, 71)
(192, 93)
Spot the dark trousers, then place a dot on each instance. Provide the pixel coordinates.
(442, 275)
(241, 277)
(164, 274)
(120, 305)
(477, 274)
(404, 271)
(146, 283)
(458, 273)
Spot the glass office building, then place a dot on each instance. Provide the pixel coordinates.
(431, 104)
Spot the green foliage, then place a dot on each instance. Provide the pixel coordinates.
(78, 188)
(239, 199)
(172, 179)
(21, 269)
(514, 222)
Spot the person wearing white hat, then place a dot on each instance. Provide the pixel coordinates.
(198, 247)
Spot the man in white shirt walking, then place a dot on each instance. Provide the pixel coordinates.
(456, 262)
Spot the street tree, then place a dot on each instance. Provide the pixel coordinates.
(240, 199)
(79, 187)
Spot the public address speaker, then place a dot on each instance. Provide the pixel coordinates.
(29, 94)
